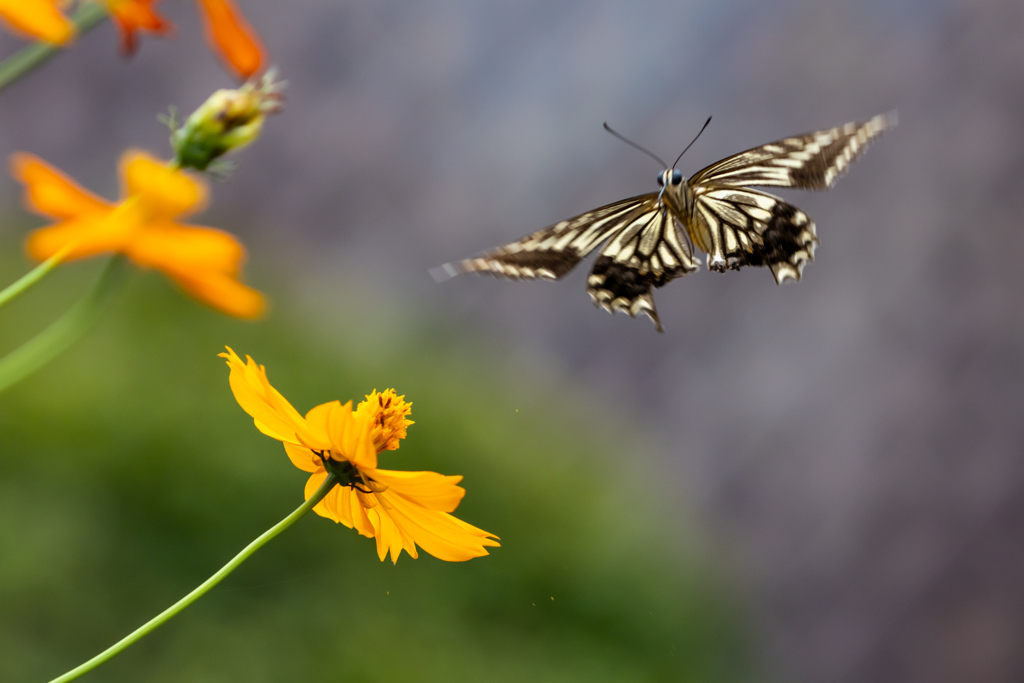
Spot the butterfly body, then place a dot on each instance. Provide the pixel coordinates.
(649, 240)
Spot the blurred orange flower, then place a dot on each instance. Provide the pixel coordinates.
(40, 19)
(205, 262)
(400, 509)
(227, 31)
(230, 35)
(132, 16)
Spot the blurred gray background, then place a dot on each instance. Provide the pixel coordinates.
(851, 445)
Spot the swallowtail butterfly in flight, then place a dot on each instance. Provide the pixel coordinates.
(649, 240)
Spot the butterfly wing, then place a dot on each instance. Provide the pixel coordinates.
(650, 251)
(742, 227)
(812, 161)
(554, 251)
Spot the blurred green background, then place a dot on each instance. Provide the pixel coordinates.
(128, 474)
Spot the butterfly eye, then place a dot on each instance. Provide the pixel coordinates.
(677, 177)
(661, 179)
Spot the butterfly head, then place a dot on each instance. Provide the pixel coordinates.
(670, 178)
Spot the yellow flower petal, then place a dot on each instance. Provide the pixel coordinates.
(342, 505)
(351, 438)
(412, 510)
(50, 192)
(303, 458)
(439, 533)
(431, 490)
(272, 413)
(390, 537)
(163, 191)
(228, 34)
(38, 19)
(318, 419)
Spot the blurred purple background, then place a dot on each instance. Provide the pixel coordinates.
(852, 446)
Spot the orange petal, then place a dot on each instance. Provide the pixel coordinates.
(38, 19)
(183, 250)
(50, 192)
(224, 293)
(164, 192)
(228, 33)
(203, 261)
(132, 16)
(90, 236)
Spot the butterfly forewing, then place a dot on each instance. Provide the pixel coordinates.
(554, 251)
(741, 227)
(812, 161)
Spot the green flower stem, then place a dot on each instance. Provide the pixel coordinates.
(241, 557)
(32, 277)
(45, 346)
(28, 58)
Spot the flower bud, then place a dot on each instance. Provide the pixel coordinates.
(228, 120)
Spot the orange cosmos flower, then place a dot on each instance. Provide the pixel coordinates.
(40, 19)
(205, 262)
(400, 509)
(132, 16)
(227, 31)
(231, 36)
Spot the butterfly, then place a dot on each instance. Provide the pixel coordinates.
(649, 240)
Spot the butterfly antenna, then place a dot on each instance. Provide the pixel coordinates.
(634, 145)
(691, 142)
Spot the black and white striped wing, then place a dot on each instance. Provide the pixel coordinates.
(649, 252)
(742, 227)
(554, 251)
(812, 161)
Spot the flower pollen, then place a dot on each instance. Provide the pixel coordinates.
(388, 412)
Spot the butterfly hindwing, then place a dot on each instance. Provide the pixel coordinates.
(742, 227)
(554, 251)
(812, 161)
(648, 252)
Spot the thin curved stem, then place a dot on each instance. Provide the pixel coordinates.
(25, 282)
(47, 345)
(238, 559)
(88, 16)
